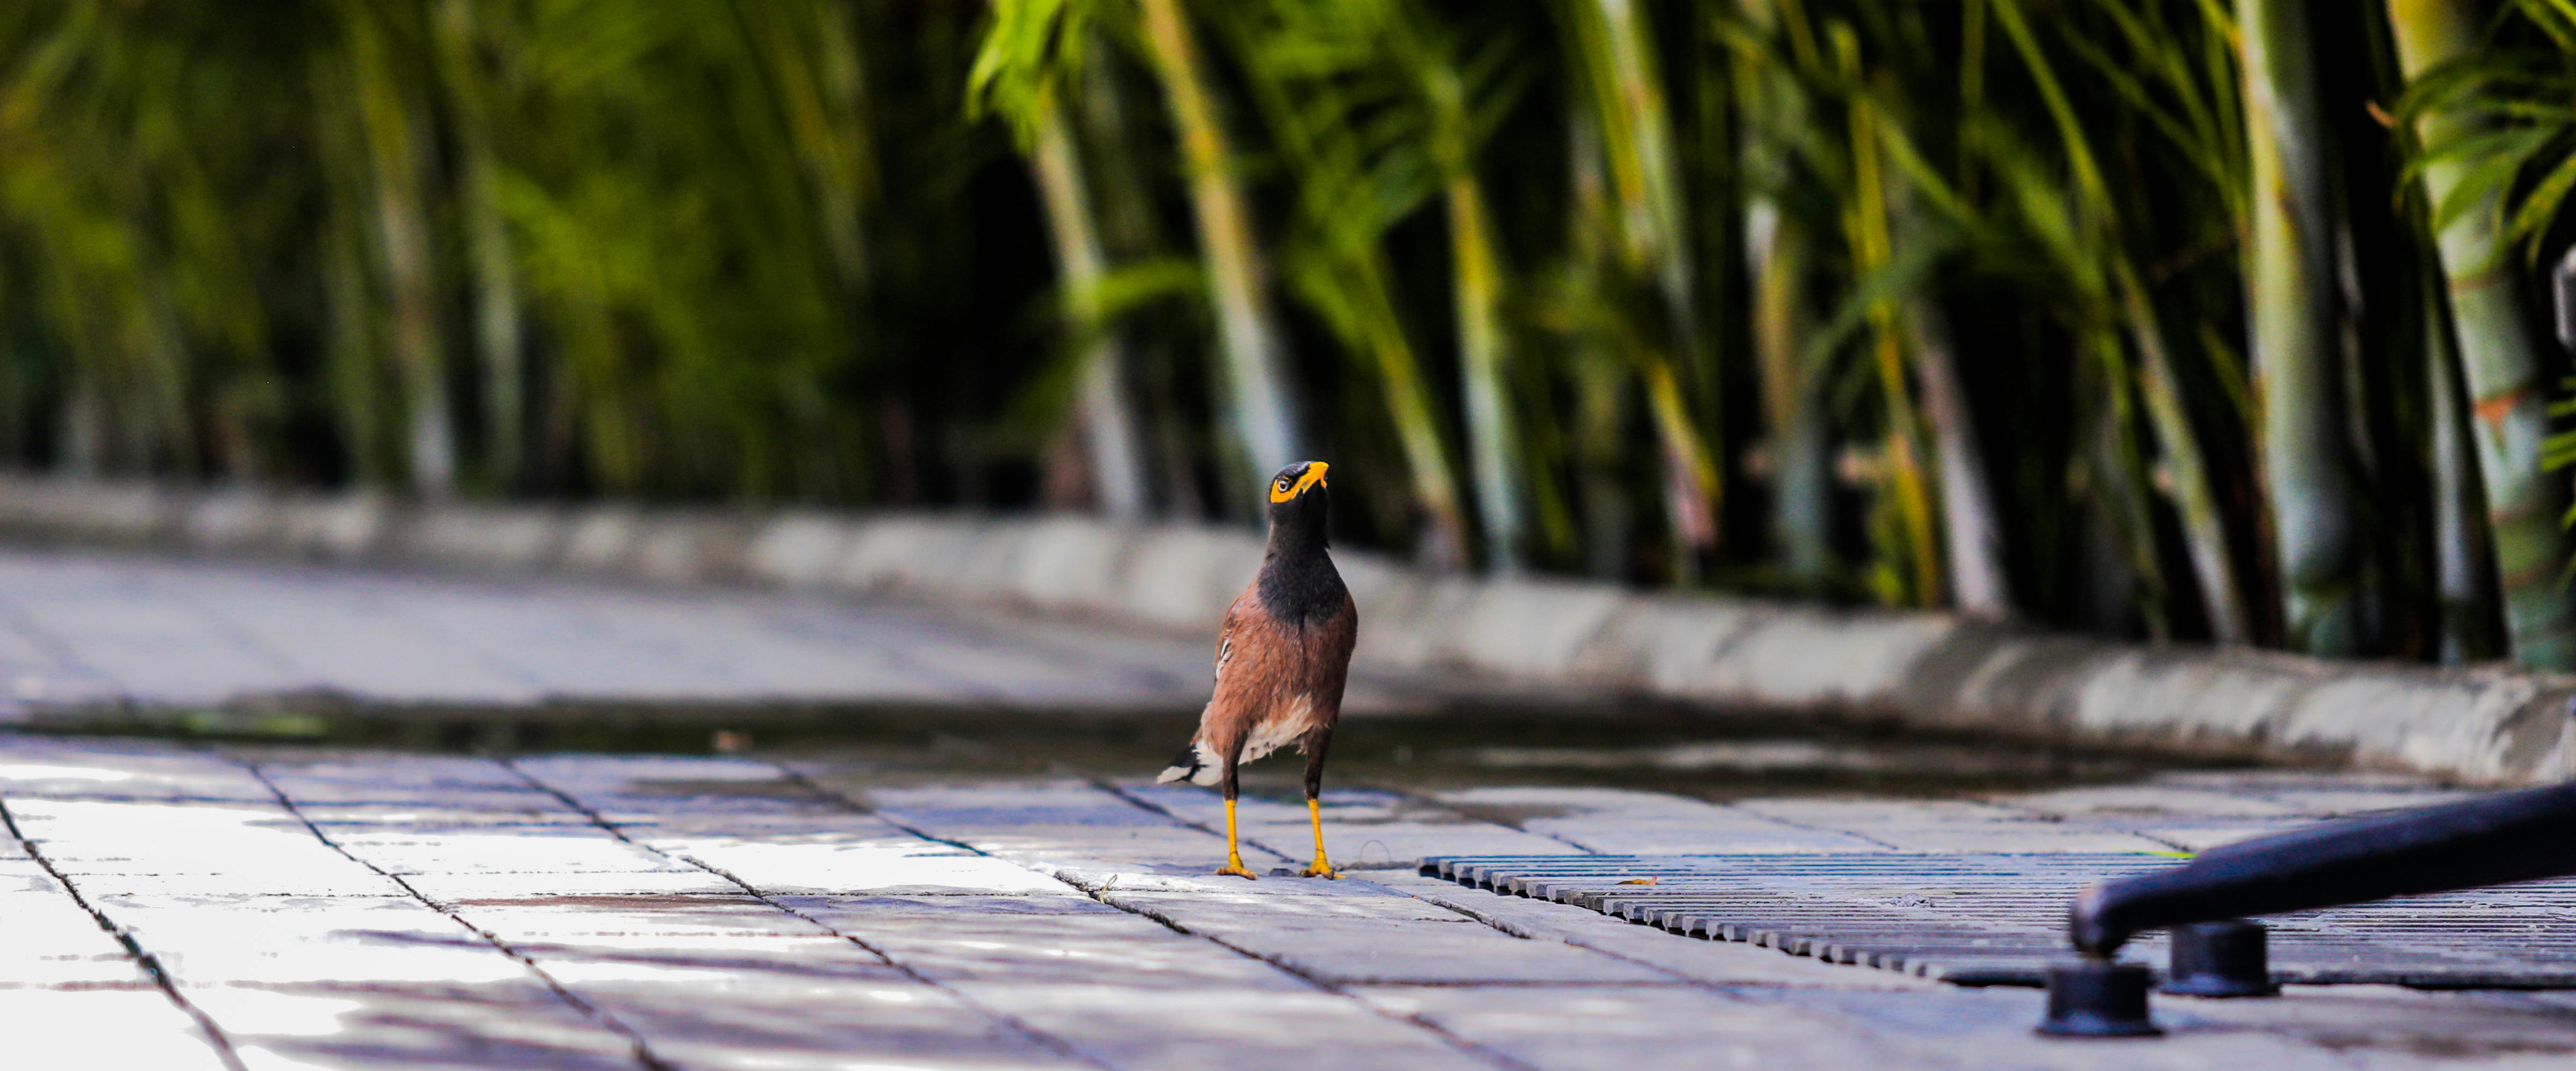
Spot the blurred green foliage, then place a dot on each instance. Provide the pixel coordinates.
(1949, 302)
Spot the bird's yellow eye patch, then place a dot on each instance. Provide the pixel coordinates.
(1281, 489)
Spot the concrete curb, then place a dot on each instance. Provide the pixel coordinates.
(1933, 671)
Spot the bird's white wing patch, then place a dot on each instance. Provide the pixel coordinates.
(1282, 728)
(1201, 769)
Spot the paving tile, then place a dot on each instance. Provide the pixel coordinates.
(509, 850)
(818, 1023)
(1061, 827)
(427, 818)
(486, 888)
(1361, 826)
(476, 1027)
(47, 940)
(80, 830)
(507, 800)
(566, 641)
(21, 877)
(102, 1028)
(1353, 932)
(381, 771)
(1636, 1026)
(157, 647)
(1039, 940)
(1223, 1026)
(54, 769)
(2384, 1026)
(1623, 822)
(1947, 826)
(683, 777)
(576, 919)
(729, 641)
(842, 857)
(341, 638)
(261, 882)
(2162, 801)
(2340, 801)
(282, 940)
(825, 864)
(2202, 836)
(1984, 1028)
(33, 669)
(726, 963)
(993, 805)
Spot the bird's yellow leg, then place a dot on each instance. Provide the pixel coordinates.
(1323, 867)
(1233, 856)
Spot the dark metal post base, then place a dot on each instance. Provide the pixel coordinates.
(2096, 998)
(2226, 958)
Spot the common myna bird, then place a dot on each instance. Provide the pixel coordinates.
(1281, 659)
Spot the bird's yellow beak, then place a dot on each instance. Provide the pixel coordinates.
(1313, 477)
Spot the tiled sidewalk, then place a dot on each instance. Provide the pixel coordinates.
(175, 908)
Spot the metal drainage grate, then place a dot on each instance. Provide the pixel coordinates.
(2001, 919)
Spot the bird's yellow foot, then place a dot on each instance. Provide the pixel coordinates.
(1235, 867)
(1323, 868)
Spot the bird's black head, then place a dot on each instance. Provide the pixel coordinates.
(1299, 505)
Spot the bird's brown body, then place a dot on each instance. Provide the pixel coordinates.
(1282, 658)
(1277, 682)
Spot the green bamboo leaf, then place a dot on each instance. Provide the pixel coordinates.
(1903, 274)
(2557, 18)
(2539, 205)
(2511, 145)
(1909, 162)
(1031, 46)
(2487, 179)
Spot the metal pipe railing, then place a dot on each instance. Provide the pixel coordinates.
(2490, 840)
(2495, 839)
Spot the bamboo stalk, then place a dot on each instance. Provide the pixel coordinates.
(1650, 224)
(1644, 172)
(1793, 403)
(352, 362)
(1260, 407)
(496, 285)
(1123, 202)
(2186, 471)
(2501, 360)
(1109, 431)
(1484, 349)
(1601, 389)
(2463, 569)
(1866, 220)
(1972, 532)
(1343, 272)
(393, 138)
(2121, 482)
(1795, 414)
(1408, 399)
(1477, 280)
(2290, 279)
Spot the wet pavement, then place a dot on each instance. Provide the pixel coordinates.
(175, 906)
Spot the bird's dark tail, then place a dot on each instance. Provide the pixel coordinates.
(1197, 765)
